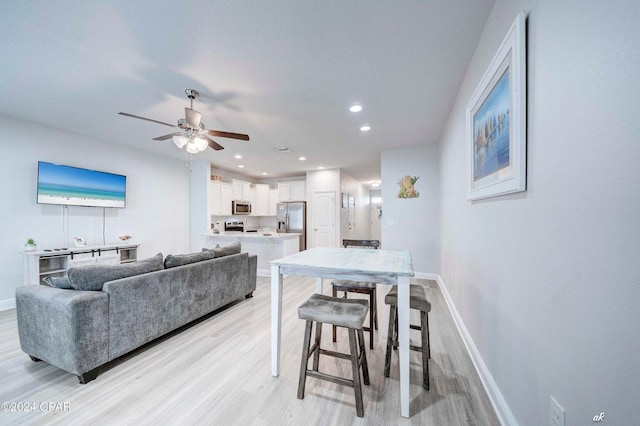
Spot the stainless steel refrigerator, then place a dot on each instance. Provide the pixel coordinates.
(292, 217)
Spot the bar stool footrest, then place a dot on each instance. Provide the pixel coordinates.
(330, 378)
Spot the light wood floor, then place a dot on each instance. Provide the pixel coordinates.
(218, 371)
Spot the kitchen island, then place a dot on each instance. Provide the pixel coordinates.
(267, 246)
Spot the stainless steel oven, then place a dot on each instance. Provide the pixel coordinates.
(234, 225)
(240, 207)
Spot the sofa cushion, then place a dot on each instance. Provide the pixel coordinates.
(93, 277)
(58, 282)
(184, 259)
(218, 251)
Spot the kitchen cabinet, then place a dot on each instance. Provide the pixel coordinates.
(274, 199)
(226, 193)
(292, 191)
(242, 191)
(219, 198)
(261, 206)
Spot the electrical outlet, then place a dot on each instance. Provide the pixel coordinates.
(557, 413)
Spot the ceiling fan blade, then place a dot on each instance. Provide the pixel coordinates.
(146, 119)
(213, 144)
(165, 137)
(228, 135)
(192, 117)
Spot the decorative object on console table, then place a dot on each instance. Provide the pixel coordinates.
(80, 242)
(30, 245)
(497, 121)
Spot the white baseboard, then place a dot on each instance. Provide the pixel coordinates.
(7, 304)
(495, 396)
(427, 276)
(264, 272)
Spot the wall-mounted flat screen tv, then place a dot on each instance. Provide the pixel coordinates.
(73, 186)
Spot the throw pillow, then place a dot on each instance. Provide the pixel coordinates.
(184, 259)
(58, 282)
(93, 277)
(218, 251)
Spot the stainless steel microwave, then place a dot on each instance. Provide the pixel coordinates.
(240, 207)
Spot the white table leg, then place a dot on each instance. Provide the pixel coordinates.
(403, 344)
(319, 285)
(276, 319)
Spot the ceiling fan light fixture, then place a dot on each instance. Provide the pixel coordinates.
(180, 140)
(192, 148)
(192, 133)
(200, 143)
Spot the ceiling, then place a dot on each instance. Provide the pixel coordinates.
(284, 72)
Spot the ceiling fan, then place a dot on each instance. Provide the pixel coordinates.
(193, 133)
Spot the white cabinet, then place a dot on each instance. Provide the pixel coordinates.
(226, 193)
(82, 259)
(242, 191)
(292, 191)
(261, 206)
(42, 264)
(219, 198)
(274, 199)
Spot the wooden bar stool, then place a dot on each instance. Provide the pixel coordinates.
(419, 301)
(348, 313)
(369, 289)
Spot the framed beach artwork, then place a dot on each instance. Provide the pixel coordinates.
(497, 121)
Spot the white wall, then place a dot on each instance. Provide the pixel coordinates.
(547, 282)
(361, 229)
(412, 223)
(153, 183)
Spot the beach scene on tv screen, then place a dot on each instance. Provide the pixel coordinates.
(74, 186)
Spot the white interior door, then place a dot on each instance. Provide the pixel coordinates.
(324, 219)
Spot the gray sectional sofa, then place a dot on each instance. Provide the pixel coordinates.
(80, 330)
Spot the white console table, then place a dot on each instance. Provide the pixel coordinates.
(41, 264)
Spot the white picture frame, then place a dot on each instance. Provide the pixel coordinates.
(496, 117)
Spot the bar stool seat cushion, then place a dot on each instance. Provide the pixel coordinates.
(353, 284)
(417, 297)
(348, 313)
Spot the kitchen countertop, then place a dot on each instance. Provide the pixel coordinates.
(258, 235)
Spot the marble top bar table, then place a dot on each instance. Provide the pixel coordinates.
(382, 266)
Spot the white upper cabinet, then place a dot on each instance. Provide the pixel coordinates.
(226, 193)
(219, 198)
(242, 191)
(292, 191)
(274, 199)
(261, 206)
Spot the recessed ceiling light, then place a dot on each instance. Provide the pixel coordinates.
(375, 184)
(302, 158)
(238, 156)
(241, 166)
(320, 167)
(355, 108)
(264, 173)
(365, 128)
